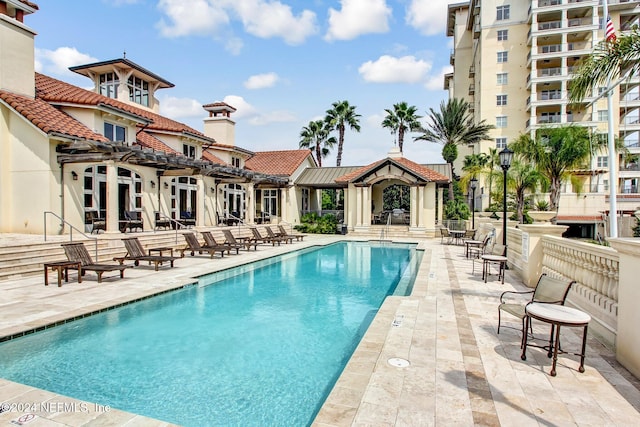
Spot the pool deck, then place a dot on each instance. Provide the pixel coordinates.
(460, 371)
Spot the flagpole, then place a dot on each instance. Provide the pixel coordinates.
(613, 175)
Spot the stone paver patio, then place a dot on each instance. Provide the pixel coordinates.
(460, 371)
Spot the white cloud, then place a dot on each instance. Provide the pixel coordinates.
(436, 82)
(273, 19)
(180, 108)
(249, 113)
(261, 18)
(233, 45)
(193, 17)
(358, 17)
(390, 69)
(428, 16)
(261, 81)
(58, 61)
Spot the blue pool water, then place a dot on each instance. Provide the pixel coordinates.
(252, 346)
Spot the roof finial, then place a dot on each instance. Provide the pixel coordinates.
(124, 54)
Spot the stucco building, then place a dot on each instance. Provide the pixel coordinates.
(108, 154)
(513, 60)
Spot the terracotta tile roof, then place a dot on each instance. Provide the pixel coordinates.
(48, 118)
(56, 91)
(144, 139)
(579, 218)
(207, 155)
(30, 4)
(422, 171)
(283, 162)
(220, 104)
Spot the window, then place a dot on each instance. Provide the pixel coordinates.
(115, 133)
(138, 91)
(502, 12)
(603, 115)
(501, 78)
(501, 121)
(605, 184)
(501, 143)
(235, 162)
(189, 151)
(501, 99)
(503, 35)
(109, 85)
(270, 201)
(502, 56)
(602, 162)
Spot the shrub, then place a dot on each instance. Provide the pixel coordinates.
(315, 224)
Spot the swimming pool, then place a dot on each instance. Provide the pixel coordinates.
(256, 345)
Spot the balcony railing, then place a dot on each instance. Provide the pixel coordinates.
(550, 72)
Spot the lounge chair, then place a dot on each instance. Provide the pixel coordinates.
(548, 290)
(77, 252)
(259, 238)
(211, 242)
(161, 221)
(283, 232)
(135, 252)
(194, 246)
(245, 242)
(273, 235)
(132, 221)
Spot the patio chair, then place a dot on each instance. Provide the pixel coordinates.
(161, 221)
(497, 257)
(247, 242)
(445, 234)
(475, 250)
(77, 252)
(283, 232)
(548, 290)
(194, 246)
(97, 223)
(187, 219)
(132, 221)
(211, 242)
(136, 253)
(259, 238)
(274, 236)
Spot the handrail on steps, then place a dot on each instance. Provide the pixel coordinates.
(385, 230)
(71, 228)
(179, 225)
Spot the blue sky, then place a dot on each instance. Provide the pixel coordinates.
(281, 63)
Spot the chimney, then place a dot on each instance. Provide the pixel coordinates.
(17, 50)
(219, 124)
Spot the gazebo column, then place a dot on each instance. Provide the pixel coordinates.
(429, 208)
(363, 208)
(440, 204)
(358, 223)
(418, 206)
(113, 218)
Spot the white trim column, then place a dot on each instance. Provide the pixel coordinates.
(440, 205)
(250, 193)
(201, 193)
(112, 198)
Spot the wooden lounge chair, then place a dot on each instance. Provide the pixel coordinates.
(283, 232)
(211, 242)
(259, 238)
(77, 252)
(245, 242)
(194, 246)
(273, 235)
(135, 252)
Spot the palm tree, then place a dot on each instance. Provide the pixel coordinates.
(473, 165)
(523, 177)
(606, 62)
(338, 118)
(401, 119)
(555, 152)
(315, 136)
(453, 125)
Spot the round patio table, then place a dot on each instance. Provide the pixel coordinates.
(556, 315)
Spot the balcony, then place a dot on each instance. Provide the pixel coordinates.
(472, 89)
(472, 71)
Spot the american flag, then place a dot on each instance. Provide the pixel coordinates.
(610, 31)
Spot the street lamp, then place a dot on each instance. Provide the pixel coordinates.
(506, 156)
(474, 184)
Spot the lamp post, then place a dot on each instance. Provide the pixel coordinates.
(474, 185)
(506, 156)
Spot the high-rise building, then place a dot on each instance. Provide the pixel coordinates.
(513, 61)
